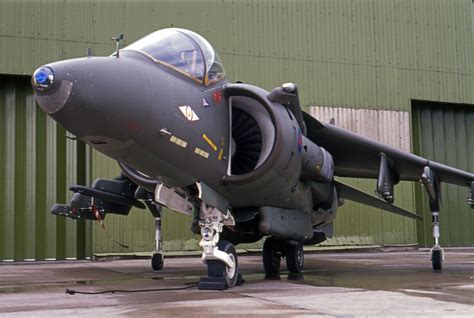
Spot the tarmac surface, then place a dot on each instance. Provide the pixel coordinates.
(333, 284)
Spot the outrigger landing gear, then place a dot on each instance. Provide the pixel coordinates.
(157, 259)
(437, 252)
(274, 250)
(219, 256)
(431, 184)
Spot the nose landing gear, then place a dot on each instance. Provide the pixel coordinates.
(219, 256)
(218, 269)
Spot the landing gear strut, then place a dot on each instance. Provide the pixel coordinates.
(157, 259)
(274, 250)
(219, 256)
(431, 185)
(437, 252)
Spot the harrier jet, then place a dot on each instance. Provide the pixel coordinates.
(242, 162)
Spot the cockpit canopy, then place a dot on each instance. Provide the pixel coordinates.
(184, 51)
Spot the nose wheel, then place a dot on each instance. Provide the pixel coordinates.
(219, 255)
(219, 269)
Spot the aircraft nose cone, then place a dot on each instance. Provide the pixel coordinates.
(95, 96)
(42, 78)
(51, 92)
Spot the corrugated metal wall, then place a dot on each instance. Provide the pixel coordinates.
(37, 165)
(359, 224)
(445, 133)
(371, 54)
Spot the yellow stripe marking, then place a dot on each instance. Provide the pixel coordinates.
(209, 141)
(220, 154)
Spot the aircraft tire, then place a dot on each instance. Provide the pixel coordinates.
(157, 261)
(437, 260)
(271, 256)
(217, 268)
(294, 258)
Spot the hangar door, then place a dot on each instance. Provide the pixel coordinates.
(37, 165)
(444, 132)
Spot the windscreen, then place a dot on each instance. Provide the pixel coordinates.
(183, 50)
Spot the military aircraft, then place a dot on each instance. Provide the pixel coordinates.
(243, 162)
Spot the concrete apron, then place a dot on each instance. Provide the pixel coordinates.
(348, 284)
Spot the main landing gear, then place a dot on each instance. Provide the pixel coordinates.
(274, 250)
(219, 256)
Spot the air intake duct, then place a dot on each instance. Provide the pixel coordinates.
(247, 138)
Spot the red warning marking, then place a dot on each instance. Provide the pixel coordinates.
(217, 96)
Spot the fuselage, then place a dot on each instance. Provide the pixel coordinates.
(177, 129)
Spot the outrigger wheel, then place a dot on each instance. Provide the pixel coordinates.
(157, 261)
(274, 250)
(218, 269)
(437, 259)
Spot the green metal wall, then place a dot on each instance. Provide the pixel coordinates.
(36, 166)
(445, 133)
(368, 53)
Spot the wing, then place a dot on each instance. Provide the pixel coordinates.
(359, 157)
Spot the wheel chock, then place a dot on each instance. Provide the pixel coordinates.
(212, 283)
